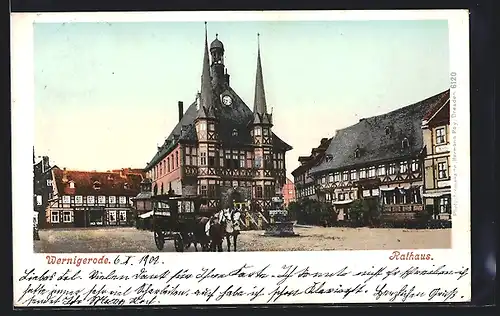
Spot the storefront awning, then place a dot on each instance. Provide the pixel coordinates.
(342, 202)
(435, 195)
(150, 213)
(403, 187)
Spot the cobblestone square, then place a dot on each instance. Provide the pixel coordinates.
(113, 240)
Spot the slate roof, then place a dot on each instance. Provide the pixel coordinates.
(370, 136)
(143, 196)
(238, 116)
(111, 183)
(316, 156)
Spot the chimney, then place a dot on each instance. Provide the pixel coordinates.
(180, 104)
(65, 176)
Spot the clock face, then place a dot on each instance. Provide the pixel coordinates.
(226, 100)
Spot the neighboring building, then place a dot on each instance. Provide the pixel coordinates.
(91, 198)
(42, 187)
(437, 184)
(303, 181)
(379, 159)
(288, 192)
(220, 150)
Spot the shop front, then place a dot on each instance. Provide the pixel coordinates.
(438, 204)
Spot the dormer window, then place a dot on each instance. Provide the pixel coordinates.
(357, 153)
(387, 130)
(329, 158)
(235, 132)
(97, 185)
(125, 186)
(110, 177)
(71, 185)
(405, 143)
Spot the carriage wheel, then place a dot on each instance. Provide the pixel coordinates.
(159, 239)
(178, 243)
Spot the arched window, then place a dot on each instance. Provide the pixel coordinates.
(357, 153)
(405, 143)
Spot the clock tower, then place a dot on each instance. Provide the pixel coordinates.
(262, 136)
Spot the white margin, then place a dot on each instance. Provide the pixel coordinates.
(23, 140)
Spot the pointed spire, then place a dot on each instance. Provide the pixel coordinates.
(260, 95)
(206, 87)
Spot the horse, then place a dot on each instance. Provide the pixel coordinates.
(199, 235)
(230, 218)
(214, 229)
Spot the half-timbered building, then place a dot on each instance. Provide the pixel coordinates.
(221, 150)
(42, 187)
(303, 181)
(437, 184)
(381, 159)
(91, 198)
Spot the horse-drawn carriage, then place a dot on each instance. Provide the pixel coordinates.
(175, 218)
(180, 219)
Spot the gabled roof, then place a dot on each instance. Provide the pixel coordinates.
(379, 138)
(317, 154)
(236, 117)
(437, 106)
(111, 183)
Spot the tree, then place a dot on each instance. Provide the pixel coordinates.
(294, 210)
(356, 212)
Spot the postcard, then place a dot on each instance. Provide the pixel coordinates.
(220, 158)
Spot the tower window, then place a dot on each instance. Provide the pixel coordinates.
(405, 143)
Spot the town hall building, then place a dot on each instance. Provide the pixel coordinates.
(220, 150)
(384, 159)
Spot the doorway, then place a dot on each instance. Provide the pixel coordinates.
(235, 197)
(80, 218)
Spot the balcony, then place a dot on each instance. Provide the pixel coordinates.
(402, 208)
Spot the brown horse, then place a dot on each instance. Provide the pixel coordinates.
(199, 235)
(209, 233)
(217, 234)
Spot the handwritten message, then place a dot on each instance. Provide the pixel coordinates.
(147, 280)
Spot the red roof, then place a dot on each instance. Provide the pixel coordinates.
(437, 105)
(97, 183)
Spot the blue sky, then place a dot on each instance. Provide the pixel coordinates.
(106, 93)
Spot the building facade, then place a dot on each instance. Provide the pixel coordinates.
(380, 159)
(288, 192)
(91, 198)
(142, 205)
(220, 150)
(42, 187)
(303, 180)
(437, 183)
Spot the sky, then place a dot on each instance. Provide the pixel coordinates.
(106, 93)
